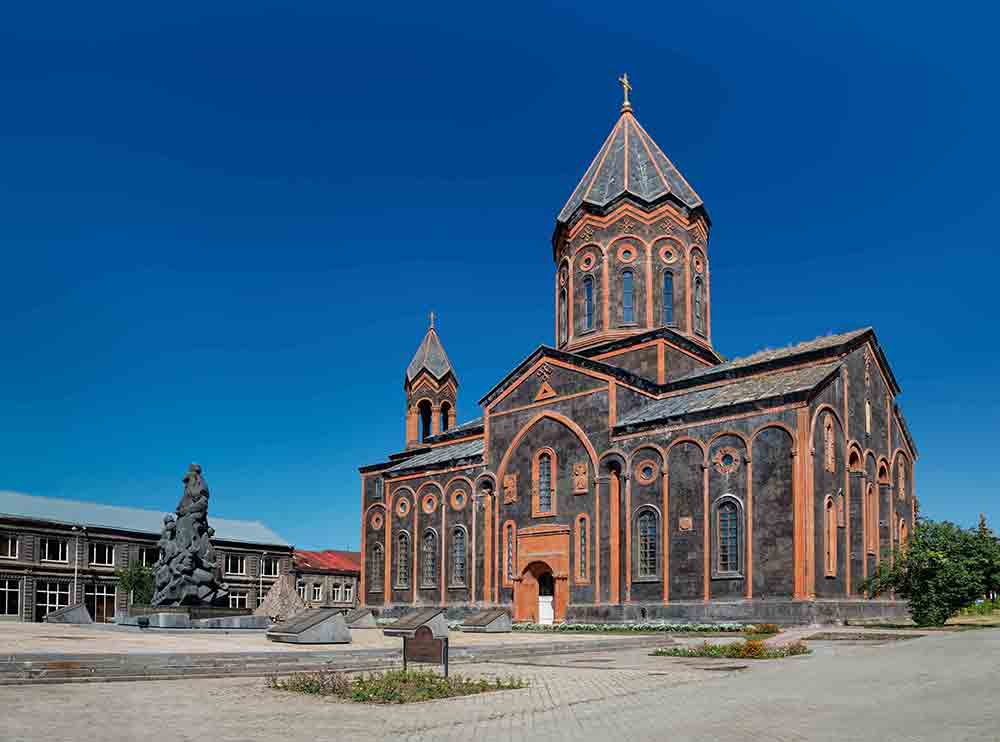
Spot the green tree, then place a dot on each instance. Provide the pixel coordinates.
(942, 569)
(137, 581)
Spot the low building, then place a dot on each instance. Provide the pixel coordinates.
(56, 552)
(328, 579)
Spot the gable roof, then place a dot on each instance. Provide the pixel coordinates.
(328, 560)
(629, 162)
(442, 455)
(115, 517)
(752, 390)
(430, 357)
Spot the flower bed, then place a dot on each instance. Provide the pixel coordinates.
(393, 686)
(749, 649)
(643, 627)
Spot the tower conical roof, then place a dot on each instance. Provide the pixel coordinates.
(629, 162)
(430, 356)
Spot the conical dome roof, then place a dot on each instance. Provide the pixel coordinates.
(629, 162)
(430, 356)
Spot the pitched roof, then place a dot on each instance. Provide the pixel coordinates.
(629, 162)
(442, 455)
(744, 391)
(328, 560)
(115, 517)
(766, 356)
(430, 356)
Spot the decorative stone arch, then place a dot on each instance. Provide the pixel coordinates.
(855, 457)
(815, 417)
(724, 433)
(688, 439)
(649, 447)
(460, 478)
(616, 456)
(884, 471)
(486, 481)
(741, 535)
(428, 484)
(557, 417)
(773, 424)
(901, 457)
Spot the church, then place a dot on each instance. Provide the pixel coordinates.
(630, 471)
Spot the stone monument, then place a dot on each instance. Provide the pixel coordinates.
(185, 574)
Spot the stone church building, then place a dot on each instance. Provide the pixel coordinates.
(630, 471)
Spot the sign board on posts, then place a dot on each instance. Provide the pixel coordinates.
(425, 637)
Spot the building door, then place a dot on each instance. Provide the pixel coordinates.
(100, 601)
(546, 594)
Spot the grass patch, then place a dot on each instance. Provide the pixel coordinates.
(749, 649)
(393, 686)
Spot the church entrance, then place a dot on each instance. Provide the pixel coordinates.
(546, 594)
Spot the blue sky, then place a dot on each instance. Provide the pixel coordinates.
(222, 228)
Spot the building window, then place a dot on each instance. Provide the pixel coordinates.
(868, 417)
(50, 596)
(699, 319)
(429, 554)
(543, 474)
(269, 566)
(260, 599)
(582, 546)
(458, 557)
(563, 316)
(99, 599)
(545, 482)
(445, 416)
(376, 568)
(237, 598)
(509, 553)
(829, 450)
(236, 564)
(148, 555)
(588, 303)
(8, 546)
(871, 521)
(10, 597)
(338, 592)
(647, 544)
(903, 533)
(349, 592)
(102, 555)
(300, 587)
(402, 561)
(317, 594)
(628, 298)
(424, 407)
(727, 537)
(830, 520)
(841, 510)
(901, 469)
(668, 298)
(53, 550)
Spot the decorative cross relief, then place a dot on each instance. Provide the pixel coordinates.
(580, 478)
(509, 488)
(544, 372)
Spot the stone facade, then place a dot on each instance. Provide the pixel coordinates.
(630, 471)
(47, 562)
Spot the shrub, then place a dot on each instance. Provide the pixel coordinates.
(748, 649)
(643, 627)
(393, 686)
(762, 628)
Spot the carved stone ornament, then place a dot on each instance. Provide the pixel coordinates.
(698, 264)
(185, 573)
(868, 369)
(580, 478)
(685, 523)
(667, 227)
(429, 503)
(726, 460)
(402, 507)
(459, 499)
(587, 233)
(627, 253)
(646, 471)
(668, 254)
(376, 521)
(628, 226)
(544, 372)
(509, 488)
(587, 262)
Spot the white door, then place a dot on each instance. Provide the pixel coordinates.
(545, 614)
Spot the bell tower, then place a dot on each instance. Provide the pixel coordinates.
(631, 245)
(431, 387)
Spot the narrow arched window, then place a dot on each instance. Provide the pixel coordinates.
(699, 318)
(425, 419)
(868, 417)
(830, 516)
(728, 535)
(668, 298)
(647, 546)
(510, 553)
(429, 559)
(458, 556)
(376, 567)
(445, 417)
(628, 312)
(582, 538)
(563, 316)
(871, 521)
(588, 303)
(403, 560)
(545, 482)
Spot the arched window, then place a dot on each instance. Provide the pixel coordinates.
(699, 319)
(563, 316)
(903, 533)
(830, 521)
(588, 303)
(429, 559)
(510, 553)
(425, 419)
(543, 483)
(829, 451)
(376, 568)
(628, 312)
(458, 556)
(668, 298)
(727, 534)
(871, 521)
(445, 416)
(868, 417)
(582, 546)
(647, 544)
(403, 560)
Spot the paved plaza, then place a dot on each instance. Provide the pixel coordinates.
(939, 687)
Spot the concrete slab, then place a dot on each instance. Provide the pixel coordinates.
(313, 626)
(73, 614)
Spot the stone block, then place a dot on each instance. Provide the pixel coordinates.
(74, 614)
(313, 626)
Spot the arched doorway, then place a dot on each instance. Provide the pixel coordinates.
(539, 596)
(546, 597)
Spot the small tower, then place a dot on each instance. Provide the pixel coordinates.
(631, 246)
(431, 388)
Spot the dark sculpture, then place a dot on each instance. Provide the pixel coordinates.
(186, 571)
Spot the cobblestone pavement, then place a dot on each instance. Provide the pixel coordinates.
(938, 687)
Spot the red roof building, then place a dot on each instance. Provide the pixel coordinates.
(328, 578)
